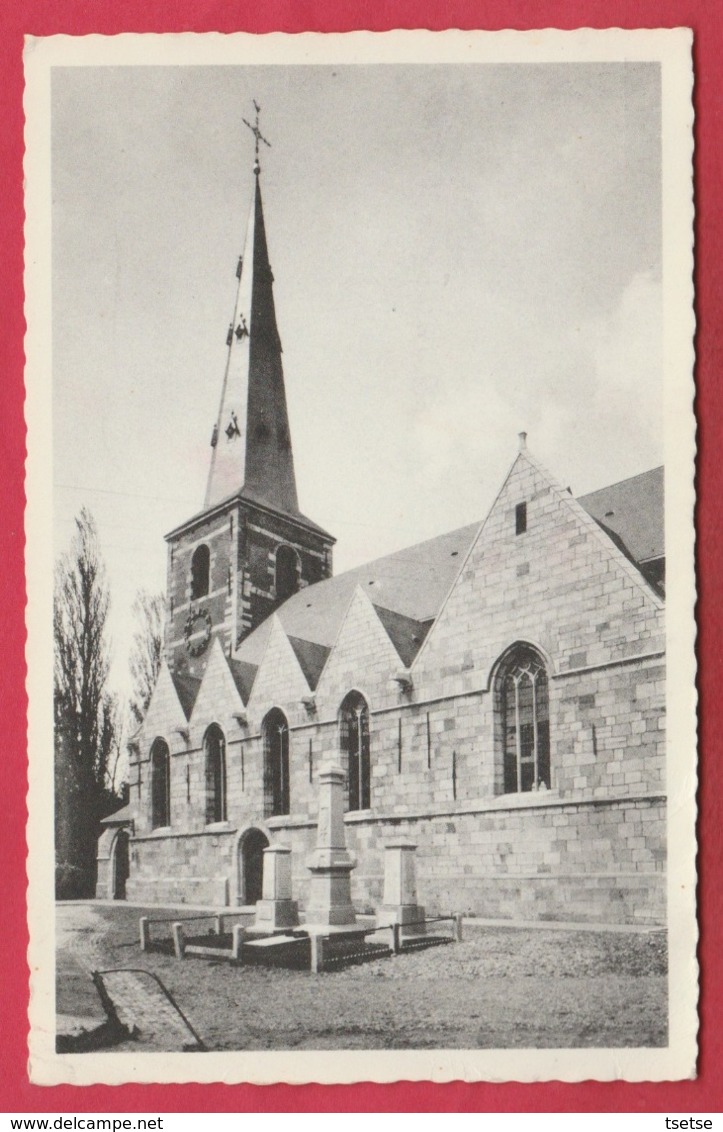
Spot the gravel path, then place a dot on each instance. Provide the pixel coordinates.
(500, 988)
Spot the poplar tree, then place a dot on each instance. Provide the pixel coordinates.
(85, 713)
(146, 651)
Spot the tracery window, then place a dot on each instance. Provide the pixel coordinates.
(524, 718)
(160, 784)
(215, 750)
(200, 570)
(355, 752)
(275, 730)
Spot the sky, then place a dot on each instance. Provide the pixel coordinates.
(460, 252)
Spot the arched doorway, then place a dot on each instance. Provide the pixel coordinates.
(251, 866)
(121, 864)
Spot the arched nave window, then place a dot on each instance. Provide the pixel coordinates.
(354, 746)
(523, 719)
(214, 746)
(275, 731)
(160, 784)
(200, 570)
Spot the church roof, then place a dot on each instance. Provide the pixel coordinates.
(632, 509)
(407, 588)
(311, 657)
(119, 817)
(405, 633)
(186, 690)
(243, 675)
(258, 501)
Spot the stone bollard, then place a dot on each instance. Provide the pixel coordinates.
(396, 938)
(237, 942)
(145, 933)
(317, 953)
(178, 945)
(218, 925)
(458, 926)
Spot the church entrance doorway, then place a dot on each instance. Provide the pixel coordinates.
(251, 866)
(120, 865)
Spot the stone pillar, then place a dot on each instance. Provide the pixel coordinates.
(316, 943)
(330, 863)
(400, 890)
(179, 945)
(237, 942)
(276, 910)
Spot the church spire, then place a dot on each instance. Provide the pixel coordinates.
(251, 440)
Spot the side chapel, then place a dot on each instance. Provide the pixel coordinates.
(495, 695)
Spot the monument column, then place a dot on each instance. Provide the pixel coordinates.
(330, 863)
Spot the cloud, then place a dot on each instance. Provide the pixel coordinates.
(627, 354)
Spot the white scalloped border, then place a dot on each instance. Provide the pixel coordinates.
(672, 47)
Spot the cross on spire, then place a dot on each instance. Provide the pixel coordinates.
(259, 137)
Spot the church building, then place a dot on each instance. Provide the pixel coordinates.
(495, 695)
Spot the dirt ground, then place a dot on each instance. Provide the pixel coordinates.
(500, 988)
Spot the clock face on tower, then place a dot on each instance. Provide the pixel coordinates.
(197, 631)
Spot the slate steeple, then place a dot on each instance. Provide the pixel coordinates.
(251, 440)
(250, 548)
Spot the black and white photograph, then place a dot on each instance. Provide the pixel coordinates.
(360, 498)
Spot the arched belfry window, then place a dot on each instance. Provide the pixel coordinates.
(275, 730)
(286, 580)
(214, 746)
(160, 784)
(200, 570)
(524, 721)
(354, 747)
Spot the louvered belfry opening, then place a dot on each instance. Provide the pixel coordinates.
(355, 750)
(286, 573)
(200, 572)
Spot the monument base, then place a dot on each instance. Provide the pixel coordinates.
(410, 918)
(273, 915)
(330, 896)
(352, 931)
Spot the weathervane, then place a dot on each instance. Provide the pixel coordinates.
(257, 134)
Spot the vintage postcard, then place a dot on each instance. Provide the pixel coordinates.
(361, 630)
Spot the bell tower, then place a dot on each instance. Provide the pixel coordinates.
(250, 548)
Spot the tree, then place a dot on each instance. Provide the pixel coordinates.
(85, 714)
(147, 650)
(117, 762)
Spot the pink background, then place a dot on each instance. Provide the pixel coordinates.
(108, 17)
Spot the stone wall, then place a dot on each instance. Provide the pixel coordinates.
(242, 540)
(591, 846)
(547, 860)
